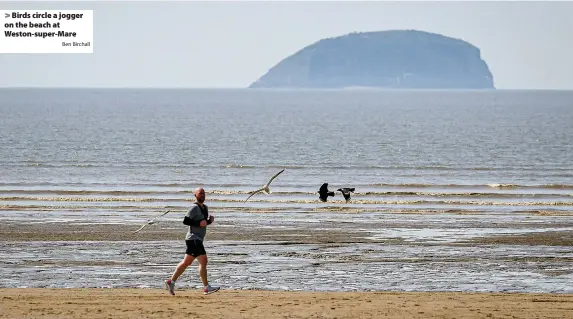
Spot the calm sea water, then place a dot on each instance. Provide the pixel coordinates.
(135, 152)
(406, 150)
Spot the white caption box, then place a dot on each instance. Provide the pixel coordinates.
(46, 31)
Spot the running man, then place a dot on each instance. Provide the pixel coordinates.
(197, 218)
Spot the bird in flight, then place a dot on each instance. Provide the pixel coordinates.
(346, 192)
(150, 222)
(324, 193)
(265, 187)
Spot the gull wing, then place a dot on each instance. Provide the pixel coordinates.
(140, 228)
(163, 214)
(253, 193)
(150, 222)
(272, 178)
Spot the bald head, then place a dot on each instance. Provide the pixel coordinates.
(199, 193)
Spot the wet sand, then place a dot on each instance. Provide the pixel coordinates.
(109, 232)
(134, 273)
(155, 303)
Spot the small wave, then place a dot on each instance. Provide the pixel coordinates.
(238, 166)
(189, 186)
(216, 194)
(465, 194)
(402, 202)
(502, 185)
(93, 192)
(407, 185)
(492, 185)
(80, 208)
(331, 207)
(563, 186)
(307, 201)
(248, 166)
(86, 199)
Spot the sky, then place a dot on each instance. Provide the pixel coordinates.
(217, 44)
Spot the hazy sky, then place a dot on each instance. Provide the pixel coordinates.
(527, 45)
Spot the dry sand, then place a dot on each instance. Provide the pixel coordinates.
(155, 303)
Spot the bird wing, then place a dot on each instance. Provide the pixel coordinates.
(253, 193)
(272, 178)
(324, 188)
(163, 214)
(140, 228)
(152, 221)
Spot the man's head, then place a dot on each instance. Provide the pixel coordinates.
(199, 193)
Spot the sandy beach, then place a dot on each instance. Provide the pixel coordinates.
(155, 303)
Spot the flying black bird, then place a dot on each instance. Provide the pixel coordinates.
(150, 222)
(346, 192)
(265, 189)
(324, 193)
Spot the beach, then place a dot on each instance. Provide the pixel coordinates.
(313, 251)
(119, 302)
(78, 259)
(155, 303)
(462, 208)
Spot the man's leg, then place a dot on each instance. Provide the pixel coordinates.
(170, 283)
(186, 262)
(207, 289)
(203, 269)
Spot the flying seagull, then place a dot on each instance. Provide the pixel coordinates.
(324, 193)
(346, 192)
(265, 187)
(150, 222)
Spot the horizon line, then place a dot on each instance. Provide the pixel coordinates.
(270, 88)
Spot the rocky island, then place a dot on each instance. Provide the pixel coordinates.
(395, 59)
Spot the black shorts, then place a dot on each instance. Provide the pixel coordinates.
(195, 248)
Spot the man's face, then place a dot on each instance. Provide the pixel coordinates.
(200, 195)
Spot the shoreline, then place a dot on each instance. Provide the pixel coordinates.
(17, 231)
(157, 303)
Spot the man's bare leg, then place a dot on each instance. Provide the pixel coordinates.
(207, 289)
(203, 269)
(170, 283)
(186, 262)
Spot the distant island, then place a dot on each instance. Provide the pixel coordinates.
(395, 59)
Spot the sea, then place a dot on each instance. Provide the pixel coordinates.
(429, 166)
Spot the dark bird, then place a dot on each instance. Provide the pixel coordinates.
(346, 192)
(265, 189)
(324, 193)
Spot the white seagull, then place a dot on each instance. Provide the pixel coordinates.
(150, 222)
(265, 188)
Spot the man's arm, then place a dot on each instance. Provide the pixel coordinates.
(210, 219)
(194, 217)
